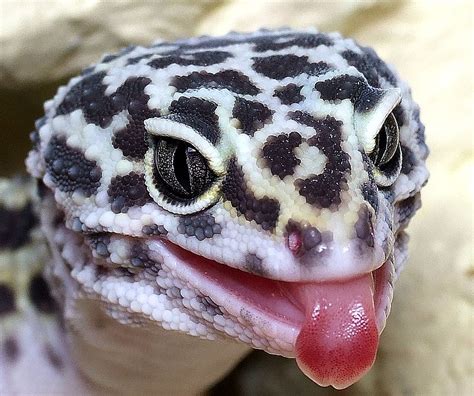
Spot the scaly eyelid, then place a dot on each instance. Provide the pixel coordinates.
(368, 123)
(169, 128)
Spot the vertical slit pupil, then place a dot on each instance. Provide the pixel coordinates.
(382, 143)
(181, 172)
(181, 166)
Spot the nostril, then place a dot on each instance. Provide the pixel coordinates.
(301, 240)
(295, 242)
(304, 238)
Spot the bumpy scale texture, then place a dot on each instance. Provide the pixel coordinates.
(285, 120)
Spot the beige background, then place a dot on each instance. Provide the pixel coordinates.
(427, 347)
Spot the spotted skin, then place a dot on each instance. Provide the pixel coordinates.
(285, 120)
(289, 94)
(32, 339)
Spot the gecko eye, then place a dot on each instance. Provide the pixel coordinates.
(386, 142)
(386, 155)
(181, 172)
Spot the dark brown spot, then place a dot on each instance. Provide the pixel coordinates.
(209, 305)
(324, 190)
(281, 41)
(15, 226)
(278, 153)
(7, 300)
(132, 139)
(253, 264)
(370, 193)
(252, 115)
(40, 295)
(197, 113)
(53, 357)
(264, 211)
(203, 58)
(127, 191)
(140, 258)
(289, 94)
(232, 80)
(11, 349)
(408, 160)
(406, 209)
(341, 87)
(69, 169)
(98, 108)
(364, 226)
(99, 242)
(281, 66)
(200, 226)
(154, 229)
(370, 65)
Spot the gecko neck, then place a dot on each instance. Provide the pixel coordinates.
(117, 358)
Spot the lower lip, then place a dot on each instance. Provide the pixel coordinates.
(267, 296)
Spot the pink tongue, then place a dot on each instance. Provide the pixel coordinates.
(338, 341)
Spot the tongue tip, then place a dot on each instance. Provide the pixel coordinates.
(336, 375)
(338, 341)
(339, 366)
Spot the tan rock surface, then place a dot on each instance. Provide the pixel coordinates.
(427, 347)
(45, 41)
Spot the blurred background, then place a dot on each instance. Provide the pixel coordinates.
(427, 346)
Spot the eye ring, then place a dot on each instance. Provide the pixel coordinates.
(387, 155)
(179, 177)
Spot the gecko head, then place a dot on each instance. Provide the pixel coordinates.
(223, 191)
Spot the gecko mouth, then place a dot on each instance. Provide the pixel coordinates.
(332, 328)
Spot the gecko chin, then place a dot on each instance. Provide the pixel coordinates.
(332, 328)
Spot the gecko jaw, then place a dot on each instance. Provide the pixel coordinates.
(267, 304)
